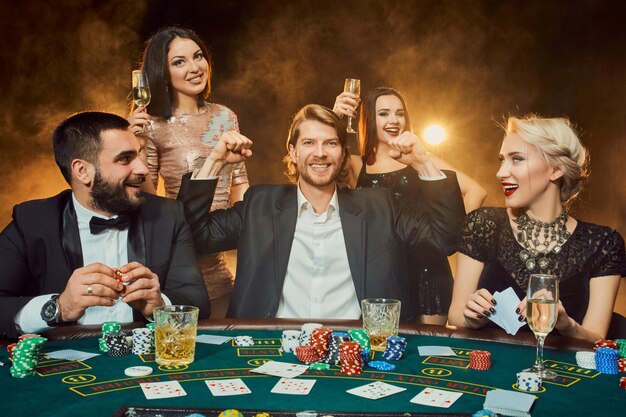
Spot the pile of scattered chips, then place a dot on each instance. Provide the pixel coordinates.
(350, 358)
(606, 360)
(528, 381)
(244, 341)
(480, 360)
(25, 355)
(586, 359)
(381, 365)
(290, 340)
(396, 346)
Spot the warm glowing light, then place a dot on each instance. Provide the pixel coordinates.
(434, 134)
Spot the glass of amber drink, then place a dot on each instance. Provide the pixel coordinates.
(175, 330)
(381, 318)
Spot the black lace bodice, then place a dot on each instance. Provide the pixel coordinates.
(591, 251)
(431, 283)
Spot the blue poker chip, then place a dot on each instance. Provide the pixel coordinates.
(381, 366)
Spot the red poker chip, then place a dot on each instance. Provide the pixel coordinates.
(622, 382)
(480, 360)
(605, 343)
(621, 365)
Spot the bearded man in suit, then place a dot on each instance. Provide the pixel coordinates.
(315, 249)
(101, 251)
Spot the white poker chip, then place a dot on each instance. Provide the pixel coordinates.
(138, 371)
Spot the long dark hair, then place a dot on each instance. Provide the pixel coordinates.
(368, 137)
(154, 63)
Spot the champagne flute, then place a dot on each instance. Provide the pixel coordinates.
(542, 298)
(352, 86)
(141, 90)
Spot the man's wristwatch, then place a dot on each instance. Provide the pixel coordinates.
(51, 311)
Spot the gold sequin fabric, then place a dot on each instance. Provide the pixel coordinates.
(181, 144)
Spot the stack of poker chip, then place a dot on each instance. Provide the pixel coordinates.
(605, 343)
(361, 337)
(621, 347)
(244, 341)
(305, 333)
(116, 344)
(350, 357)
(320, 340)
(108, 327)
(332, 356)
(396, 345)
(528, 381)
(290, 340)
(606, 360)
(142, 341)
(480, 360)
(25, 355)
(621, 365)
(586, 359)
(307, 354)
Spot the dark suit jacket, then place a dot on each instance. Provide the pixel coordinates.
(41, 248)
(377, 233)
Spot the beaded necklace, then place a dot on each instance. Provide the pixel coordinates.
(536, 237)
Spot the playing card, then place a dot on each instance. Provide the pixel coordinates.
(212, 339)
(505, 315)
(157, 390)
(375, 390)
(71, 355)
(436, 398)
(509, 403)
(435, 351)
(223, 387)
(281, 369)
(293, 386)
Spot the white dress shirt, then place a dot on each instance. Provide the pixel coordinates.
(318, 283)
(109, 247)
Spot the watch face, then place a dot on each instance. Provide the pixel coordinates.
(48, 312)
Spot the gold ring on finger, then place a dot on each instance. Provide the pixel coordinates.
(89, 290)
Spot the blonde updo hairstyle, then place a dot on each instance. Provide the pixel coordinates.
(559, 145)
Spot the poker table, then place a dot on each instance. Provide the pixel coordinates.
(98, 386)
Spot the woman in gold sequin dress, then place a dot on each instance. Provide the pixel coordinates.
(181, 129)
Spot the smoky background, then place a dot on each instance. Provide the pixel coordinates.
(464, 64)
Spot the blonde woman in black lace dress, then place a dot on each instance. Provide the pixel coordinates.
(543, 165)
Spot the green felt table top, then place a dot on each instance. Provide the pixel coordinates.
(99, 387)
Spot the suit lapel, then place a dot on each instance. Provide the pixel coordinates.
(285, 217)
(354, 227)
(136, 247)
(70, 236)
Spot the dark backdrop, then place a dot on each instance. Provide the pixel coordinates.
(464, 64)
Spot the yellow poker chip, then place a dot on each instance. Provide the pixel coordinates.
(138, 371)
(230, 413)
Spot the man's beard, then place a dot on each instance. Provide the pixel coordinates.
(113, 198)
(307, 174)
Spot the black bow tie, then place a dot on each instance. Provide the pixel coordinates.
(98, 224)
